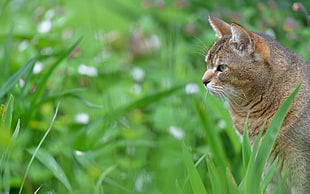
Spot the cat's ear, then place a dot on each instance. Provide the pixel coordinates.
(242, 37)
(250, 41)
(220, 27)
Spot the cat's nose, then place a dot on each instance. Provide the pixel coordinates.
(205, 81)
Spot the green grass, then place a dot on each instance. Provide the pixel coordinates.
(254, 161)
(147, 124)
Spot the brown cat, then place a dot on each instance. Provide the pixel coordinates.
(255, 73)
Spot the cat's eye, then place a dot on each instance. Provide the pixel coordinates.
(221, 67)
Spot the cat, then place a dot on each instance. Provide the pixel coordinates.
(255, 73)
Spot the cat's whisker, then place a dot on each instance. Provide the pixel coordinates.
(223, 97)
(233, 96)
(236, 94)
(204, 46)
(235, 102)
(199, 53)
(205, 99)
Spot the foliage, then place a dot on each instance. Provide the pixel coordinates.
(105, 96)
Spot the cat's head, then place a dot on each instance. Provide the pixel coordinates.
(238, 62)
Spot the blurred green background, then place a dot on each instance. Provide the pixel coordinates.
(129, 92)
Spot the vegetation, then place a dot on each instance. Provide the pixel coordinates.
(105, 96)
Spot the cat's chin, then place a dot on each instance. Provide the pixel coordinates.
(214, 92)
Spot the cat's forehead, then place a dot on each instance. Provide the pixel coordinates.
(215, 59)
(213, 54)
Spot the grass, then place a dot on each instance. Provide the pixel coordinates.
(122, 110)
(254, 161)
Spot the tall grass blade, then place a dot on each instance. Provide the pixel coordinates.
(212, 136)
(232, 185)
(255, 170)
(246, 146)
(251, 169)
(17, 128)
(144, 101)
(195, 179)
(104, 174)
(10, 83)
(178, 187)
(280, 189)
(269, 175)
(70, 93)
(201, 159)
(215, 106)
(7, 120)
(218, 183)
(37, 149)
(43, 81)
(117, 185)
(49, 161)
(8, 140)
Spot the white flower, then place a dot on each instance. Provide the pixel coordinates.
(191, 88)
(176, 132)
(45, 26)
(22, 46)
(82, 118)
(153, 43)
(221, 124)
(87, 70)
(21, 83)
(137, 74)
(142, 180)
(79, 153)
(37, 67)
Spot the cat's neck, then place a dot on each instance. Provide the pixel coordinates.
(262, 106)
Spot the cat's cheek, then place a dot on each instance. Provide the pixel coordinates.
(221, 77)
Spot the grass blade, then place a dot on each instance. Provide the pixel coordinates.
(6, 113)
(232, 185)
(280, 189)
(218, 184)
(256, 166)
(8, 140)
(6, 121)
(269, 175)
(42, 84)
(37, 149)
(179, 189)
(10, 83)
(70, 93)
(212, 136)
(215, 106)
(104, 174)
(251, 168)
(143, 102)
(246, 146)
(195, 180)
(49, 161)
